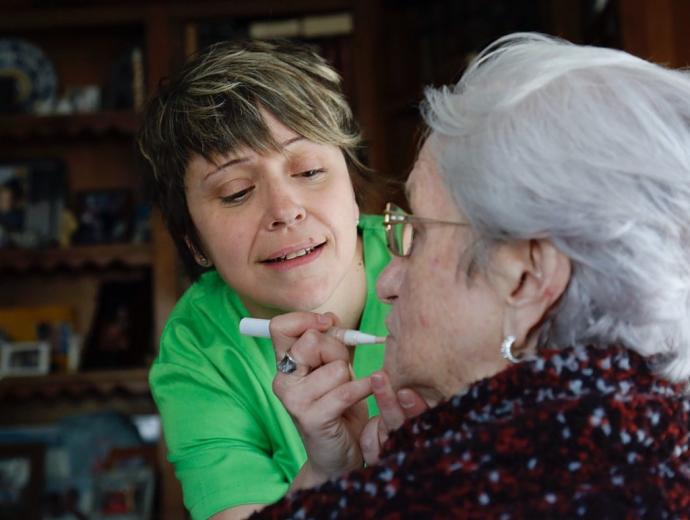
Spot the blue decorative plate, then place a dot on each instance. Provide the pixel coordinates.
(32, 73)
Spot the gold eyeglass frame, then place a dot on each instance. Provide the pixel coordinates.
(393, 215)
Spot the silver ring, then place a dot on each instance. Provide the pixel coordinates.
(287, 365)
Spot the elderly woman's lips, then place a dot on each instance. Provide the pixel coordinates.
(389, 328)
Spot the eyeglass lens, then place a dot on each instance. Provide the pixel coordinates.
(400, 235)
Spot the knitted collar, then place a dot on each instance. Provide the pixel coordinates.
(555, 376)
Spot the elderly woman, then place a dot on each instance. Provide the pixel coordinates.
(540, 300)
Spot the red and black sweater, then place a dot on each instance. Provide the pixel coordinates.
(585, 432)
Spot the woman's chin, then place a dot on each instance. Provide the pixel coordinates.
(311, 302)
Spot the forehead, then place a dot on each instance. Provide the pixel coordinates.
(424, 180)
(278, 130)
(426, 189)
(417, 182)
(281, 135)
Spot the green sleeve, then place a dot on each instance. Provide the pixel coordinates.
(228, 441)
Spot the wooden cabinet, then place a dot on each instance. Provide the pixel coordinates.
(88, 47)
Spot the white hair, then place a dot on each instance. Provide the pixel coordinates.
(590, 148)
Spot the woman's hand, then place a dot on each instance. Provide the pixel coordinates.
(394, 409)
(325, 401)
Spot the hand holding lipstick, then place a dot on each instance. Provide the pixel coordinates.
(326, 403)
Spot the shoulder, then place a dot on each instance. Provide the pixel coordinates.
(206, 315)
(206, 299)
(210, 288)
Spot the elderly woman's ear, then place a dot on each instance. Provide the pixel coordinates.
(530, 276)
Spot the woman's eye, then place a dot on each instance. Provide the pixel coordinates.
(237, 197)
(308, 174)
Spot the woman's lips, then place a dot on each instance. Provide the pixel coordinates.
(294, 258)
(290, 252)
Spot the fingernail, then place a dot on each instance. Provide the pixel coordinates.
(323, 320)
(406, 399)
(377, 382)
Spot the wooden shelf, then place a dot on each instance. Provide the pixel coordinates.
(119, 13)
(76, 257)
(25, 126)
(99, 384)
(46, 399)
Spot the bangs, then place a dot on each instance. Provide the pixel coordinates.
(232, 120)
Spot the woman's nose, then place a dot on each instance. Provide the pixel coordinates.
(284, 209)
(388, 284)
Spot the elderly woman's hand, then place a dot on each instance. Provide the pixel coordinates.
(325, 401)
(394, 409)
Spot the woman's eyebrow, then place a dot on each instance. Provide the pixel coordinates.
(239, 160)
(231, 162)
(288, 142)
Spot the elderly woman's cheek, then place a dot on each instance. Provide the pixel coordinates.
(422, 321)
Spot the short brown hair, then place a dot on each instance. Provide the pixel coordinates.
(211, 106)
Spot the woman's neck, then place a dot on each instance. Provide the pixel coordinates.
(350, 297)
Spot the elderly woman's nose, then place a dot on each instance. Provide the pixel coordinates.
(388, 284)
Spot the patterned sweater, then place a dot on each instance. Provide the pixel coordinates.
(585, 432)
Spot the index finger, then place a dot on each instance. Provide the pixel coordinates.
(286, 329)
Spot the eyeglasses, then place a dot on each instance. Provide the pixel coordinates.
(399, 227)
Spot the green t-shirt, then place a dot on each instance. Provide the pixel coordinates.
(229, 437)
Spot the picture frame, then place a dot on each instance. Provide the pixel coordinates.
(120, 328)
(21, 481)
(53, 324)
(124, 494)
(103, 216)
(25, 358)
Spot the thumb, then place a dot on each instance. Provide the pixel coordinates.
(411, 402)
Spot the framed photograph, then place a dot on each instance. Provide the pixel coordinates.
(103, 216)
(24, 358)
(124, 494)
(21, 481)
(121, 326)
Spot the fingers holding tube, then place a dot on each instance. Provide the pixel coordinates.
(288, 328)
(310, 351)
(300, 393)
(316, 385)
